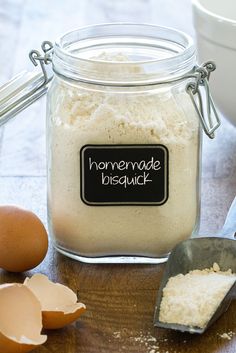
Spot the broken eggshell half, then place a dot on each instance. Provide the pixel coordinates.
(58, 302)
(20, 319)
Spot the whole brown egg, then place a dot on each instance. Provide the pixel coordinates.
(23, 239)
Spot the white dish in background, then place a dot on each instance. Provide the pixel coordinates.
(215, 25)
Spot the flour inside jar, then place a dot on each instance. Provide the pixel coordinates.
(82, 114)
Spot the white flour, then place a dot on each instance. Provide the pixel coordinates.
(227, 335)
(193, 298)
(83, 115)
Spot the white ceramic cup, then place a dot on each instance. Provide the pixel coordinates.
(215, 25)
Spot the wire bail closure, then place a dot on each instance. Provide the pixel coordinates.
(45, 59)
(27, 87)
(209, 119)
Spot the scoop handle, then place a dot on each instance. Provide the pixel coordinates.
(229, 227)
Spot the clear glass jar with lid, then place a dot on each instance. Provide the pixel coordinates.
(124, 141)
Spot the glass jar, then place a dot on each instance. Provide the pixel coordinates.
(123, 141)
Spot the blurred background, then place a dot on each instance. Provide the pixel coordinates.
(24, 24)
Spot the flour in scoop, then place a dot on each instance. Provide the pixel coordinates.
(193, 298)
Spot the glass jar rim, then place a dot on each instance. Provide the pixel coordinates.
(70, 50)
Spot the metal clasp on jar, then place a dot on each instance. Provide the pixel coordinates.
(26, 87)
(199, 88)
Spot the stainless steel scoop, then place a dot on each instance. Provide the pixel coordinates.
(200, 253)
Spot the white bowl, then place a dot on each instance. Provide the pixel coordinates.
(215, 25)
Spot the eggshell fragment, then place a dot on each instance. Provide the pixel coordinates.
(58, 302)
(20, 319)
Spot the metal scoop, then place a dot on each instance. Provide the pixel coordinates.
(200, 253)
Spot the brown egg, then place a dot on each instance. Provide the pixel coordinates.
(20, 319)
(23, 239)
(58, 302)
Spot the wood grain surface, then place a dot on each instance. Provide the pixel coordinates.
(120, 298)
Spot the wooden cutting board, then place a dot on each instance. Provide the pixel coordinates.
(120, 303)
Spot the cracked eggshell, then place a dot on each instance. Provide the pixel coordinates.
(58, 302)
(20, 319)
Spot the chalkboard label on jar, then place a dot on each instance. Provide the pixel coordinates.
(113, 175)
